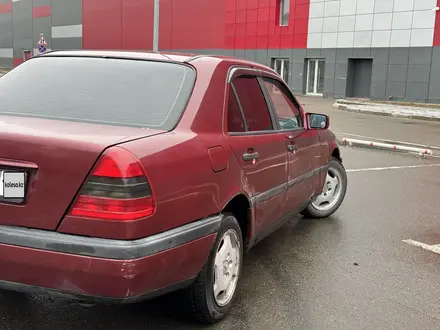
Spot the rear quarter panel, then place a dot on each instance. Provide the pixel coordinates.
(184, 186)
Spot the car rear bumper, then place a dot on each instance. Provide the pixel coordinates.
(36, 261)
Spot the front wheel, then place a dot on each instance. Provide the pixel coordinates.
(212, 294)
(333, 194)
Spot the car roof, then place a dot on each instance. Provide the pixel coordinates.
(148, 55)
(125, 54)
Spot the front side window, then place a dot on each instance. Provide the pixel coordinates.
(253, 104)
(284, 12)
(288, 113)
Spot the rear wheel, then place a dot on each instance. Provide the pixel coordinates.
(333, 194)
(212, 294)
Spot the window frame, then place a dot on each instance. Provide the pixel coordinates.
(283, 4)
(255, 74)
(239, 70)
(234, 91)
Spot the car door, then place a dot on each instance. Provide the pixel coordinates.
(303, 145)
(258, 146)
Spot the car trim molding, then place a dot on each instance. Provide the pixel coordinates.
(264, 196)
(109, 248)
(307, 175)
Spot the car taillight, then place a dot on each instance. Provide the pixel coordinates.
(117, 189)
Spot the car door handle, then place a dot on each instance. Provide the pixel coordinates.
(292, 147)
(250, 156)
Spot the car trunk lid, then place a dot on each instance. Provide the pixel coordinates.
(54, 158)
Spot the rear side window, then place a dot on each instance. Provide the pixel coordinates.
(97, 90)
(253, 104)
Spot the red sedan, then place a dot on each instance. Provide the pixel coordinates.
(127, 175)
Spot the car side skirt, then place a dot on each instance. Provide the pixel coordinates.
(260, 198)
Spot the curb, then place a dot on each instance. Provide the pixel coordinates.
(381, 102)
(348, 108)
(369, 144)
(388, 141)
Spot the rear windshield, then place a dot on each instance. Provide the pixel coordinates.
(97, 90)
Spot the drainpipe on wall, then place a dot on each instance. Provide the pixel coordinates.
(156, 27)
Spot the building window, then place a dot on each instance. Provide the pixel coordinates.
(315, 77)
(284, 12)
(281, 66)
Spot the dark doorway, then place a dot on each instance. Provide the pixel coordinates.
(359, 77)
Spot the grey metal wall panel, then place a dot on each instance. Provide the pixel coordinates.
(399, 56)
(313, 53)
(434, 81)
(66, 43)
(378, 90)
(396, 90)
(22, 19)
(417, 92)
(286, 53)
(343, 54)
(22, 44)
(272, 53)
(419, 73)
(297, 78)
(22, 27)
(329, 84)
(329, 70)
(239, 53)
(66, 12)
(379, 72)
(6, 31)
(420, 55)
(362, 52)
(397, 72)
(40, 3)
(340, 86)
(224, 52)
(250, 55)
(329, 55)
(261, 56)
(380, 55)
(5, 62)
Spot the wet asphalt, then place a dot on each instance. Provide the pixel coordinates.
(351, 271)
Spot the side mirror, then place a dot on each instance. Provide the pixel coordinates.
(318, 121)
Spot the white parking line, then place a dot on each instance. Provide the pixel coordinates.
(433, 248)
(390, 168)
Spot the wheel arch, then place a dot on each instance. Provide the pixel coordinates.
(240, 206)
(336, 153)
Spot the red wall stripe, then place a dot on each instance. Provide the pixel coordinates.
(254, 24)
(194, 24)
(43, 11)
(137, 24)
(102, 26)
(17, 61)
(6, 8)
(436, 41)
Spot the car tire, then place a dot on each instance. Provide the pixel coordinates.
(205, 307)
(335, 170)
